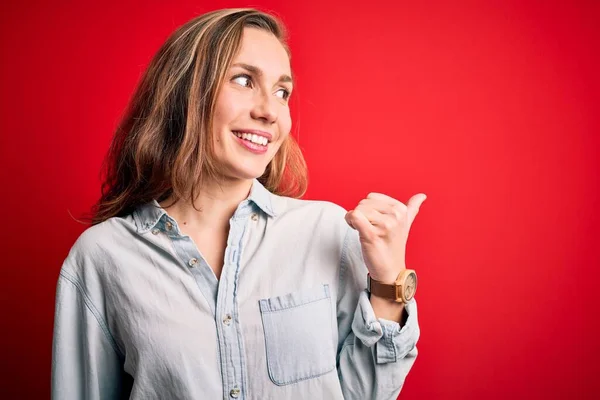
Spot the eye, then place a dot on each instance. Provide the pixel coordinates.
(243, 80)
(285, 93)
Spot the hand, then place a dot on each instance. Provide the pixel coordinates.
(383, 224)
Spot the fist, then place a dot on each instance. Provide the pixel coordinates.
(383, 224)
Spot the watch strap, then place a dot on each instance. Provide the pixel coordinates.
(381, 289)
(401, 291)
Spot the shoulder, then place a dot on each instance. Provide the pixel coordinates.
(320, 208)
(97, 244)
(326, 217)
(318, 216)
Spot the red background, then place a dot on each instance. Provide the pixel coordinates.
(490, 108)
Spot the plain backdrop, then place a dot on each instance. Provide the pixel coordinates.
(490, 108)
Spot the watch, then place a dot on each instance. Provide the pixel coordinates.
(401, 291)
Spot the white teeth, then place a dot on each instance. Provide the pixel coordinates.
(252, 138)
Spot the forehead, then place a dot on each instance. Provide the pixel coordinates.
(263, 50)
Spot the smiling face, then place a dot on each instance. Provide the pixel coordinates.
(252, 116)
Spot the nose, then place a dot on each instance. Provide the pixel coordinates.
(264, 109)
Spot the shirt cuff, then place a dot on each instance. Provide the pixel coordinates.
(393, 342)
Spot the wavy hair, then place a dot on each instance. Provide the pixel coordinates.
(162, 147)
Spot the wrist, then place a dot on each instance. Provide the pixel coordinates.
(388, 309)
(387, 278)
(399, 289)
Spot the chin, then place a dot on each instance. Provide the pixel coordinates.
(245, 173)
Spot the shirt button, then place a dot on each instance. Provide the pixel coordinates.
(155, 231)
(193, 262)
(169, 225)
(227, 319)
(254, 217)
(235, 392)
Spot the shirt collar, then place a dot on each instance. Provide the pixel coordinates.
(264, 199)
(147, 215)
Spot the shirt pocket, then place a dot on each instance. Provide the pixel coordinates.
(298, 335)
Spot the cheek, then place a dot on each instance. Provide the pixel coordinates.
(227, 106)
(285, 123)
(224, 114)
(221, 116)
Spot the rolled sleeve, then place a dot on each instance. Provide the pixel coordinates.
(392, 341)
(375, 355)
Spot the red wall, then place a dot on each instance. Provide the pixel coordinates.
(490, 109)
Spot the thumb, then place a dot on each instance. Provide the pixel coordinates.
(413, 206)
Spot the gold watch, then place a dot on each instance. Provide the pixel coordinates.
(401, 291)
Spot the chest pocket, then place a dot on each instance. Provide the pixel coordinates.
(298, 335)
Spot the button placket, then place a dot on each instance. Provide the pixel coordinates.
(226, 299)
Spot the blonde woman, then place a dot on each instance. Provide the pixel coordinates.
(204, 276)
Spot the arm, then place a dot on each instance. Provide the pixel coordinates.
(388, 309)
(374, 355)
(86, 363)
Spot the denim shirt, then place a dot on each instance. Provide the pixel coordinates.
(139, 313)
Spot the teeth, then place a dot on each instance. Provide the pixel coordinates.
(252, 138)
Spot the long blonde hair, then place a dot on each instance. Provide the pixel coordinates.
(163, 145)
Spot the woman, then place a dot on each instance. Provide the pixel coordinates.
(204, 275)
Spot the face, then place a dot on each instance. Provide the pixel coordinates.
(252, 114)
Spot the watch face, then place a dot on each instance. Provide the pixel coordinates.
(410, 286)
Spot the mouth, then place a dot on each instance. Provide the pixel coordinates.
(252, 138)
(255, 143)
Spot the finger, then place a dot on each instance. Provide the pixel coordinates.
(383, 197)
(413, 205)
(371, 213)
(382, 224)
(398, 209)
(385, 207)
(357, 220)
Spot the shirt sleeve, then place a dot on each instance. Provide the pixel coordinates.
(86, 363)
(374, 355)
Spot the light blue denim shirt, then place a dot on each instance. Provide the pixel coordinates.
(140, 315)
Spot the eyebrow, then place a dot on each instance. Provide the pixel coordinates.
(258, 72)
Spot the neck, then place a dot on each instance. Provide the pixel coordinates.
(214, 205)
